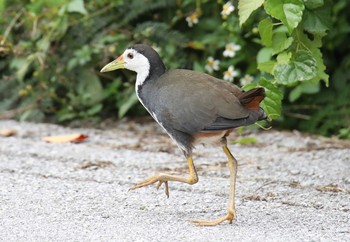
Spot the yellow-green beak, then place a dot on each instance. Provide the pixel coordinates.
(114, 65)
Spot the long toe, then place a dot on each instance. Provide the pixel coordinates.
(229, 217)
(151, 180)
(147, 182)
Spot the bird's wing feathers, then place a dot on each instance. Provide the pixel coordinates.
(199, 109)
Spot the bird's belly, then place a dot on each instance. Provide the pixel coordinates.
(213, 138)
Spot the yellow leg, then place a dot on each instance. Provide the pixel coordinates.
(231, 214)
(164, 178)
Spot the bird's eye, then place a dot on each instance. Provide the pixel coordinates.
(130, 55)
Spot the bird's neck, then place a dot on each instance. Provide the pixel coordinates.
(148, 74)
(142, 76)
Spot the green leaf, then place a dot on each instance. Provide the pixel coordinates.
(94, 109)
(196, 45)
(305, 87)
(89, 88)
(249, 86)
(280, 42)
(22, 65)
(312, 4)
(302, 67)
(312, 46)
(34, 115)
(245, 141)
(265, 31)
(198, 67)
(43, 44)
(290, 12)
(264, 55)
(284, 57)
(267, 66)
(321, 68)
(59, 28)
(2, 7)
(344, 133)
(66, 114)
(272, 103)
(76, 6)
(317, 20)
(127, 104)
(246, 7)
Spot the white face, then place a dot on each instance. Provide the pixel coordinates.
(135, 61)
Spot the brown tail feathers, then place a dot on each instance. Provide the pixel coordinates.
(252, 98)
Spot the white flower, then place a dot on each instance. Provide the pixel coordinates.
(227, 9)
(230, 74)
(192, 19)
(212, 64)
(247, 79)
(231, 49)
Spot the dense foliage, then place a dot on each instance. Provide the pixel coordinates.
(51, 53)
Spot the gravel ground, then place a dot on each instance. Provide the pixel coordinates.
(290, 187)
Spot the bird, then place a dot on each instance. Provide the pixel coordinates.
(193, 108)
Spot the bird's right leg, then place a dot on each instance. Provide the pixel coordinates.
(231, 213)
(164, 178)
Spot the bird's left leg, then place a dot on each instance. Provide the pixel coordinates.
(231, 214)
(164, 178)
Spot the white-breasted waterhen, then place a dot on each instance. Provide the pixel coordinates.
(192, 108)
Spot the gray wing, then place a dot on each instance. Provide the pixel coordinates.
(193, 102)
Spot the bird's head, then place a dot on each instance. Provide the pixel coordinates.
(131, 59)
(141, 58)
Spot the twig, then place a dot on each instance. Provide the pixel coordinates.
(297, 115)
(14, 112)
(265, 184)
(8, 29)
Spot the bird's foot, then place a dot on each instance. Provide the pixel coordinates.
(231, 215)
(151, 180)
(166, 187)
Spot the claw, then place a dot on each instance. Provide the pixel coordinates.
(166, 187)
(152, 180)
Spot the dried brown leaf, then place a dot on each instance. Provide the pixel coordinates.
(7, 132)
(330, 188)
(96, 164)
(74, 138)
